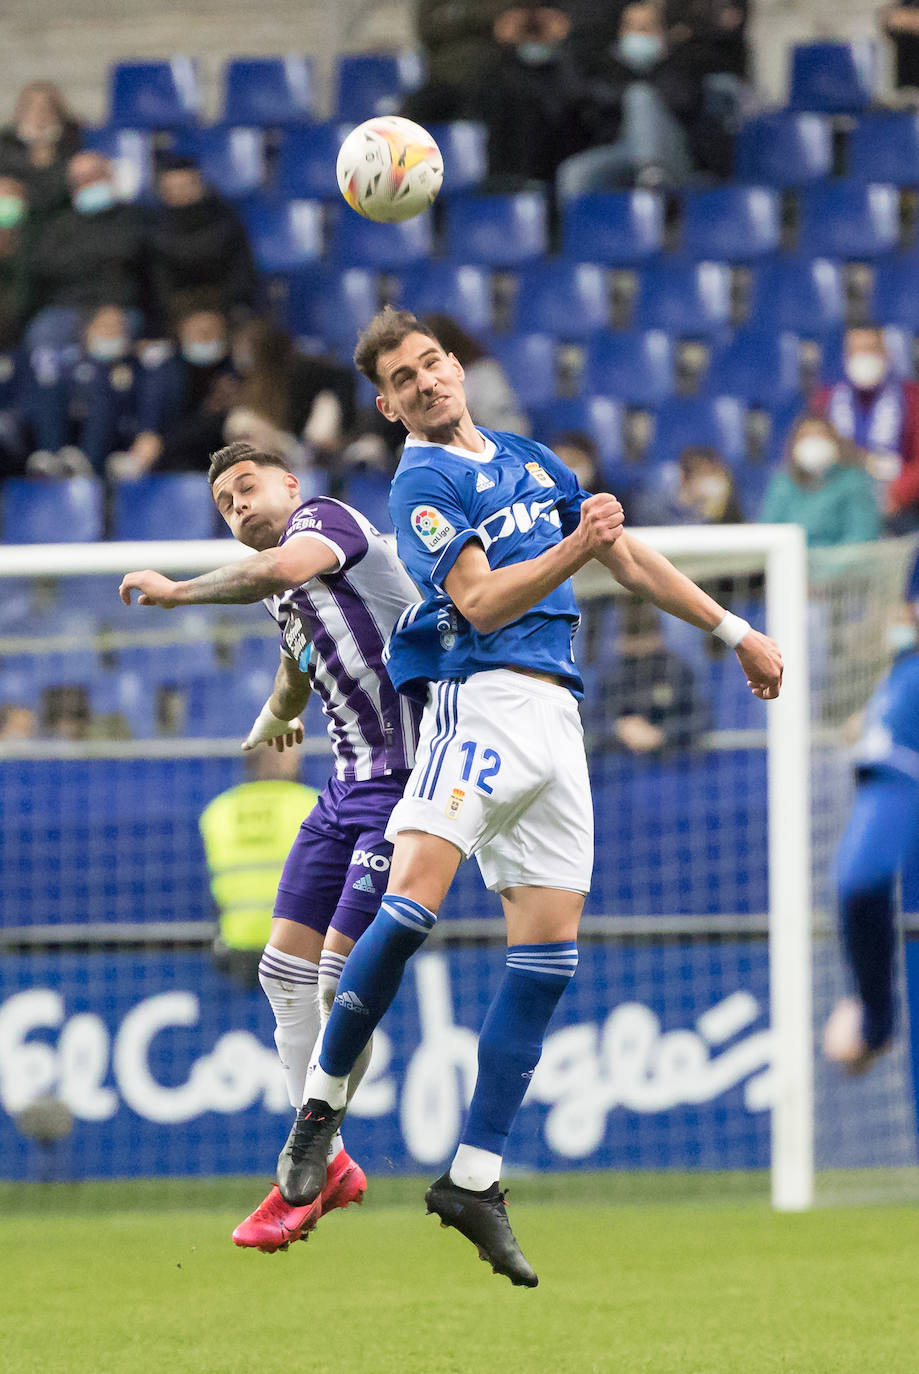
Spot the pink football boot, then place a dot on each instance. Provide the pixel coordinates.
(345, 1182)
(274, 1223)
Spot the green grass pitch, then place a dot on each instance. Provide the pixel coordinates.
(634, 1278)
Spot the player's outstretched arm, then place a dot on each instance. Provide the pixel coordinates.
(647, 573)
(251, 579)
(278, 722)
(490, 598)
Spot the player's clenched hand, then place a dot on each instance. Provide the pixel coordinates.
(602, 521)
(154, 589)
(761, 660)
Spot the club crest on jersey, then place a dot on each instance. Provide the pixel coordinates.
(540, 474)
(432, 528)
(455, 804)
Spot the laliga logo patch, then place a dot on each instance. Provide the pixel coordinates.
(455, 804)
(542, 477)
(431, 527)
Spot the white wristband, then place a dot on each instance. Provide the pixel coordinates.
(731, 630)
(267, 727)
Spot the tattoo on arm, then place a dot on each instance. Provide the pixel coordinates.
(250, 580)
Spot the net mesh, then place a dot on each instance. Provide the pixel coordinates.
(118, 726)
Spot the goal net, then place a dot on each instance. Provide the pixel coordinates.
(709, 955)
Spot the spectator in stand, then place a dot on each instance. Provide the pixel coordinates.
(643, 108)
(900, 22)
(37, 146)
(17, 721)
(457, 38)
(648, 700)
(64, 713)
(712, 32)
(822, 487)
(530, 95)
(490, 396)
(184, 398)
(14, 301)
(296, 406)
(90, 255)
(82, 408)
(579, 452)
(201, 259)
(699, 489)
(880, 415)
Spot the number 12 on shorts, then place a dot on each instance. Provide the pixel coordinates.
(490, 762)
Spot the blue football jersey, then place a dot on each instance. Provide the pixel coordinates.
(517, 499)
(890, 729)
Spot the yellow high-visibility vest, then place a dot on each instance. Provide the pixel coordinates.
(247, 833)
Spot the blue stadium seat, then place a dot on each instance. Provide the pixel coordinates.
(631, 366)
(172, 664)
(155, 95)
(129, 695)
(70, 667)
(899, 341)
(751, 481)
(131, 151)
(839, 78)
(885, 148)
(164, 506)
(784, 149)
(567, 299)
(731, 223)
(531, 364)
(462, 144)
(225, 704)
(306, 161)
(781, 422)
(805, 295)
(285, 235)
(761, 368)
(896, 291)
(599, 417)
(359, 242)
(268, 92)
(847, 219)
(231, 159)
(498, 231)
(39, 512)
(368, 491)
(621, 228)
(688, 299)
(457, 289)
(717, 422)
(331, 306)
(374, 83)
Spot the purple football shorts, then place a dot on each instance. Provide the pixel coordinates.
(338, 866)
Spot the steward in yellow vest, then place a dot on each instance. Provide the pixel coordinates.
(247, 833)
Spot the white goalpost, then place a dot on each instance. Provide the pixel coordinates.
(685, 891)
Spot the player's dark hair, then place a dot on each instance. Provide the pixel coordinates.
(242, 453)
(386, 331)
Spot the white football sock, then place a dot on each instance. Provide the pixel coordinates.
(291, 986)
(474, 1168)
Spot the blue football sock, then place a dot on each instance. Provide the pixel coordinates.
(868, 924)
(511, 1040)
(370, 980)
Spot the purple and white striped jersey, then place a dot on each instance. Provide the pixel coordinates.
(347, 615)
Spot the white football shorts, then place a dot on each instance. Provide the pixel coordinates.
(501, 773)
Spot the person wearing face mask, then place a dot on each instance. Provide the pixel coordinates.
(36, 147)
(831, 498)
(880, 413)
(183, 400)
(529, 96)
(877, 842)
(90, 255)
(642, 103)
(81, 404)
(200, 254)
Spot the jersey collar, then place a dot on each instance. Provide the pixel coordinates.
(491, 448)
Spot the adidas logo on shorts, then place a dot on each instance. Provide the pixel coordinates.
(363, 884)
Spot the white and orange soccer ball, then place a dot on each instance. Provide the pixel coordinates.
(389, 169)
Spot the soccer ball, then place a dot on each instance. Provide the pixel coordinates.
(389, 169)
